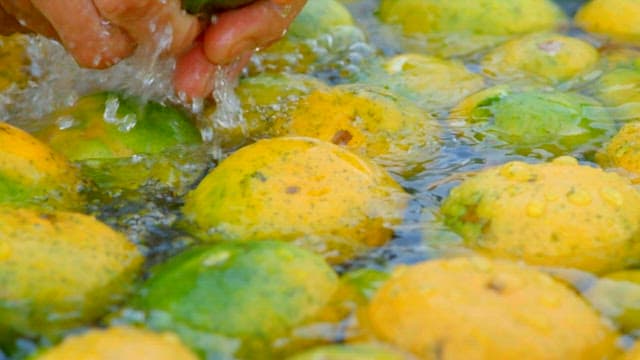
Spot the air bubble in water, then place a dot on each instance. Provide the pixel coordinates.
(65, 122)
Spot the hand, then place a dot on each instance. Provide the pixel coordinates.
(99, 33)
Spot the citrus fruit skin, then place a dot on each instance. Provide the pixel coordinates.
(351, 352)
(545, 56)
(431, 82)
(59, 270)
(554, 120)
(539, 318)
(34, 175)
(617, 19)
(14, 60)
(102, 132)
(619, 87)
(266, 100)
(478, 17)
(122, 343)
(243, 294)
(557, 214)
(313, 193)
(370, 121)
(623, 150)
(111, 125)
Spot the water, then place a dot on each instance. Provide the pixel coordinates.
(148, 217)
(228, 111)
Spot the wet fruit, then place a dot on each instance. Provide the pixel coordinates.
(556, 121)
(266, 100)
(237, 298)
(122, 343)
(614, 18)
(477, 17)
(547, 57)
(431, 82)
(351, 352)
(34, 175)
(110, 125)
(14, 60)
(313, 193)
(59, 270)
(556, 214)
(539, 318)
(371, 121)
(623, 150)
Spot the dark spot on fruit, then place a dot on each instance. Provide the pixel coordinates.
(341, 137)
(292, 189)
(496, 286)
(258, 175)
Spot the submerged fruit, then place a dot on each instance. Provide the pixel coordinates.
(316, 194)
(14, 60)
(545, 56)
(119, 343)
(557, 121)
(266, 100)
(556, 214)
(371, 121)
(237, 298)
(33, 175)
(103, 132)
(59, 270)
(351, 352)
(619, 89)
(496, 17)
(431, 82)
(624, 148)
(617, 19)
(109, 125)
(475, 308)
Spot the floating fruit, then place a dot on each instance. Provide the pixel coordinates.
(59, 270)
(237, 298)
(121, 343)
(617, 19)
(465, 308)
(554, 120)
(556, 214)
(548, 57)
(313, 193)
(371, 121)
(32, 174)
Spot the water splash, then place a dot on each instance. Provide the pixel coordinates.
(228, 113)
(58, 81)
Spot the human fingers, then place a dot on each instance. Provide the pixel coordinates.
(8, 24)
(254, 26)
(195, 74)
(92, 41)
(27, 16)
(162, 25)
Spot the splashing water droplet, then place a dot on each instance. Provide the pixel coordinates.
(65, 122)
(228, 113)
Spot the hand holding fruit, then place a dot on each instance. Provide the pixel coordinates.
(100, 33)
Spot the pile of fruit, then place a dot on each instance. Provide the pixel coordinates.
(408, 179)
